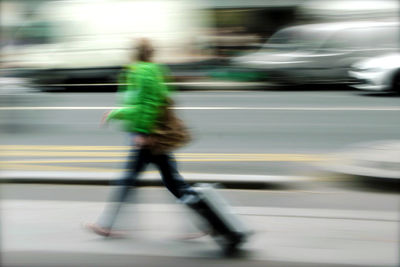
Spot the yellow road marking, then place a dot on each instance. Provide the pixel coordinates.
(6, 162)
(249, 160)
(84, 151)
(70, 148)
(54, 168)
(118, 154)
(181, 158)
(61, 154)
(38, 149)
(66, 168)
(63, 168)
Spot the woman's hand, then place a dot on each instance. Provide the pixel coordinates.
(142, 140)
(103, 121)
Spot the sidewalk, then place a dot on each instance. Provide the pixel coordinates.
(313, 237)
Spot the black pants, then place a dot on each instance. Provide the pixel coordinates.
(138, 160)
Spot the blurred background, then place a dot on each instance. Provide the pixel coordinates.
(294, 108)
(66, 43)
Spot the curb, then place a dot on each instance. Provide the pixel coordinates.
(152, 179)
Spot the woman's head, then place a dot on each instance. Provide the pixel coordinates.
(144, 50)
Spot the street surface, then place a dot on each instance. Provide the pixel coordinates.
(237, 133)
(271, 132)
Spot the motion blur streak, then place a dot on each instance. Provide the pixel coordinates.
(293, 107)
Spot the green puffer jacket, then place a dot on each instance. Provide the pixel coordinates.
(141, 94)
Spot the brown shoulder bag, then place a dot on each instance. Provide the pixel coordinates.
(170, 132)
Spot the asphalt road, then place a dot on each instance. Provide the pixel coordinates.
(236, 132)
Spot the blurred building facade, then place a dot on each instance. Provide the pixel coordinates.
(256, 20)
(240, 24)
(31, 35)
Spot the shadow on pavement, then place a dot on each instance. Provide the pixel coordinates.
(370, 184)
(379, 94)
(56, 259)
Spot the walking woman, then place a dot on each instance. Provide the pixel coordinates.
(154, 130)
(144, 96)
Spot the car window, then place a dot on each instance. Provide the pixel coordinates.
(362, 38)
(349, 39)
(297, 39)
(386, 37)
(282, 40)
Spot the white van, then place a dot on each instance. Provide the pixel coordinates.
(92, 39)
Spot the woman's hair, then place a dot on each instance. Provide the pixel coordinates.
(144, 50)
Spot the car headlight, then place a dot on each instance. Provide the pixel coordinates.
(373, 70)
(366, 69)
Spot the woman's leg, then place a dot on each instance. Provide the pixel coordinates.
(179, 188)
(169, 172)
(138, 160)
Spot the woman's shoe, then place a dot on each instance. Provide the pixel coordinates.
(97, 229)
(191, 236)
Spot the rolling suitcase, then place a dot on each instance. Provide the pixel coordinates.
(227, 229)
